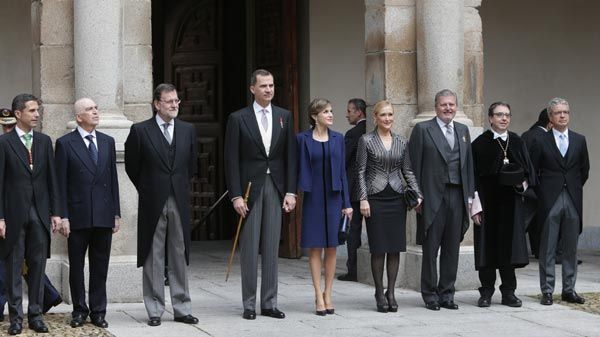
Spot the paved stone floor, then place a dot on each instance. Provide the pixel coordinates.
(218, 306)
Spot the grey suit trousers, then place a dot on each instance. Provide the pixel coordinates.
(32, 245)
(444, 234)
(262, 227)
(562, 224)
(169, 225)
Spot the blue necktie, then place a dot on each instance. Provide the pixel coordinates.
(93, 149)
(562, 144)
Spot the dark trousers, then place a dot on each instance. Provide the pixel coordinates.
(98, 242)
(2, 286)
(354, 237)
(32, 244)
(487, 276)
(444, 234)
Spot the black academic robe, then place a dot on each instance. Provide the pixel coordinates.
(500, 240)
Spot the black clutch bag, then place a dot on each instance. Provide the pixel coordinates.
(344, 227)
(411, 198)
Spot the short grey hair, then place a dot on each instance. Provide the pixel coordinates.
(445, 93)
(554, 102)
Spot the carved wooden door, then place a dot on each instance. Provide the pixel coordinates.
(275, 49)
(193, 63)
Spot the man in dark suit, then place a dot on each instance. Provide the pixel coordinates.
(89, 190)
(561, 160)
(160, 160)
(29, 209)
(530, 137)
(440, 153)
(355, 114)
(260, 147)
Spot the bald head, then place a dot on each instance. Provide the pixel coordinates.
(86, 114)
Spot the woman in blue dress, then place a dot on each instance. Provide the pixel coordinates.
(322, 178)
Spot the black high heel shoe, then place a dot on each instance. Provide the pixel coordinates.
(382, 304)
(319, 312)
(328, 311)
(392, 305)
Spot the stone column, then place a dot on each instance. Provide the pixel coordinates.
(440, 54)
(98, 67)
(391, 74)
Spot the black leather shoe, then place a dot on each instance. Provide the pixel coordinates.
(38, 326)
(273, 313)
(348, 277)
(484, 302)
(249, 314)
(449, 305)
(154, 321)
(433, 305)
(100, 322)
(511, 300)
(546, 299)
(15, 328)
(572, 297)
(77, 321)
(187, 319)
(48, 306)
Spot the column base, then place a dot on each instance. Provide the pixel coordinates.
(123, 285)
(410, 268)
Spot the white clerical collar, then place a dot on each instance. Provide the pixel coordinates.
(502, 136)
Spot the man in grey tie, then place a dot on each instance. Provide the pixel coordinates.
(160, 160)
(260, 147)
(560, 158)
(440, 153)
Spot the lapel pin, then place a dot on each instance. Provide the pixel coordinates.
(464, 139)
(281, 122)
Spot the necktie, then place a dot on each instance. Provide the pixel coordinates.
(264, 121)
(28, 142)
(93, 149)
(562, 144)
(166, 133)
(450, 136)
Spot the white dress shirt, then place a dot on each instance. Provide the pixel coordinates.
(20, 133)
(170, 128)
(442, 125)
(84, 133)
(265, 135)
(502, 136)
(557, 134)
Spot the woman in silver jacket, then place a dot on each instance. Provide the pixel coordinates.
(384, 176)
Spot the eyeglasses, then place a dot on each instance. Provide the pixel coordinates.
(502, 114)
(173, 101)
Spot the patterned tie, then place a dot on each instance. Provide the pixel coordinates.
(166, 133)
(28, 142)
(93, 149)
(562, 144)
(450, 135)
(264, 121)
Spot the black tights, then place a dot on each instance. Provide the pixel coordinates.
(392, 265)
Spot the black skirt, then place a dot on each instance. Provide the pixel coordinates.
(386, 228)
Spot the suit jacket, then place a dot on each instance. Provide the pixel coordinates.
(351, 142)
(556, 172)
(531, 136)
(246, 158)
(89, 193)
(338, 170)
(378, 167)
(148, 166)
(431, 169)
(19, 185)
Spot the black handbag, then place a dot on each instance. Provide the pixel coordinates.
(411, 198)
(343, 229)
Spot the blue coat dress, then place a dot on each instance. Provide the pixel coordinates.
(322, 178)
